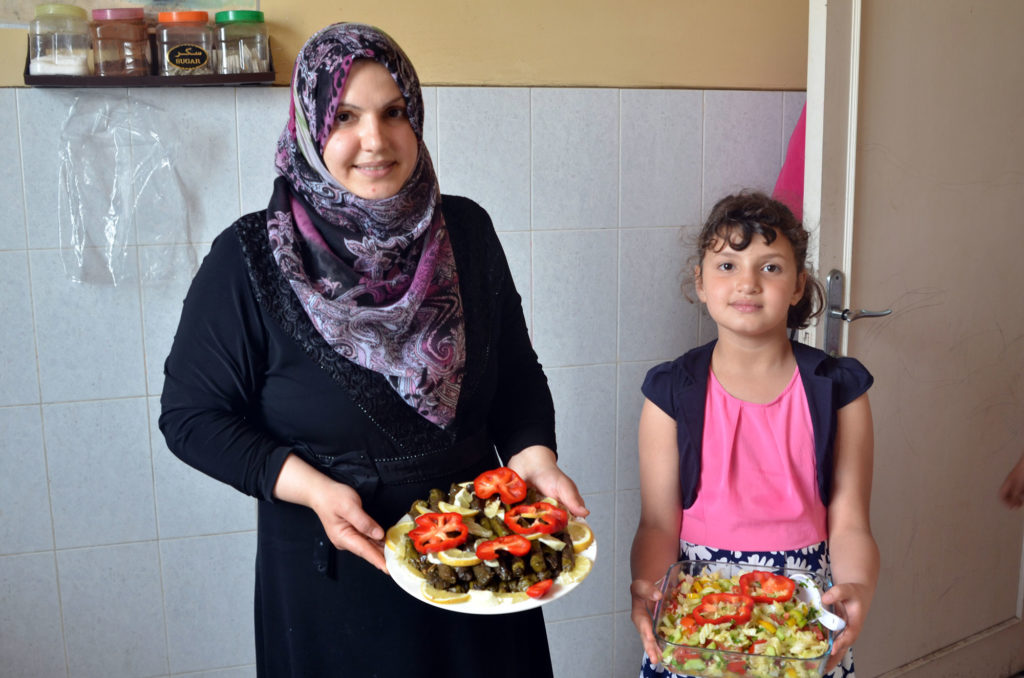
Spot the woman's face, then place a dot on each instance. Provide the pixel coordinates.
(371, 149)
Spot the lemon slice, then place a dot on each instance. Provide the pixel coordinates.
(442, 597)
(579, 571)
(396, 533)
(455, 508)
(492, 507)
(580, 534)
(514, 597)
(458, 558)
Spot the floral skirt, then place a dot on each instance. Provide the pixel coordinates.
(813, 558)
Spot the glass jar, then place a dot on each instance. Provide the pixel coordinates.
(120, 41)
(59, 41)
(184, 43)
(242, 42)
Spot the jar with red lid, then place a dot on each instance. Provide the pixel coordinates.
(185, 43)
(120, 41)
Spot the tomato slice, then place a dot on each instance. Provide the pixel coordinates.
(540, 588)
(438, 532)
(515, 544)
(539, 517)
(504, 481)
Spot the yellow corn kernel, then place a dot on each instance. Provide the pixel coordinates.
(766, 625)
(791, 672)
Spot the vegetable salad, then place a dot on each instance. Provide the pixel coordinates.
(751, 621)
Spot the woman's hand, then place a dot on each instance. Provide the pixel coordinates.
(337, 505)
(852, 602)
(537, 465)
(645, 596)
(1012, 490)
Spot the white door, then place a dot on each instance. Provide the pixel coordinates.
(915, 170)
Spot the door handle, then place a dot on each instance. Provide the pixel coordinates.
(836, 315)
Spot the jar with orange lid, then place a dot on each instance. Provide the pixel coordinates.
(120, 41)
(185, 44)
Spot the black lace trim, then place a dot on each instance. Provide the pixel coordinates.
(411, 434)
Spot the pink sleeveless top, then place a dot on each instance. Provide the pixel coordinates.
(758, 489)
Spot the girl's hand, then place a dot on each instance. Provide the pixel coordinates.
(1012, 490)
(645, 596)
(852, 601)
(537, 466)
(347, 525)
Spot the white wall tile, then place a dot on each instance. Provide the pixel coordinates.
(630, 402)
(484, 150)
(166, 275)
(198, 126)
(19, 383)
(655, 319)
(661, 157)
(627, 517)
(101, 477)
(742, 142)
(517, 246)
(575, 171)
(42, 113)
(581, 647)
(24, 496)
(575, 296)
(88, 336)
(188, 502)
(113, 622)
(585, 418)
(12, 188)
(262, 116)
(215, 575)
(30, 619)
(629, 651)
(593, 596)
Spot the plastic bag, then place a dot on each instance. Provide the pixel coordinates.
(117, 187)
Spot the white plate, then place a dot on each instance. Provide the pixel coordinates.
(481, 602)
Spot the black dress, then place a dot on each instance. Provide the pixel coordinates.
(249, 381)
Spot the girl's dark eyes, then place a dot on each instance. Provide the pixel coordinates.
(396, 112)
(343, 117)
(772, 268)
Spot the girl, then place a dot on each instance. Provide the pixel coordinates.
(755, 448)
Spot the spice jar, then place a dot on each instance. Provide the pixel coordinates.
(59, 41)
(241, 42)
(184, 43)
(120, 41)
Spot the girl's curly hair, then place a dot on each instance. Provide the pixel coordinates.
(736, 219)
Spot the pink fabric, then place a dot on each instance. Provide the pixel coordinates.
(758, 490)
(789, 187)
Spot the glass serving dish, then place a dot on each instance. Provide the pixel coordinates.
(718, 663)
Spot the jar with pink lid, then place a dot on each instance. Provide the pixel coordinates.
(120, 41)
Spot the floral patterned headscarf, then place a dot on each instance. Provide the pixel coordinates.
(376, 277)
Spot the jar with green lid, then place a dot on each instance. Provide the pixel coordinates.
(120, 41)
(242, 42)
(185, 43)
(59, 41)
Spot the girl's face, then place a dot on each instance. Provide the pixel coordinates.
(748, 293)
(372, 148)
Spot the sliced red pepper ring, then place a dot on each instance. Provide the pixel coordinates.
(540, 517)
(515, 544)
(767, 587)
(504, 481)
(719, 608)
(438, 532)
(540, 588)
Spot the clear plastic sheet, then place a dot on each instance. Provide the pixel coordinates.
(119, 192)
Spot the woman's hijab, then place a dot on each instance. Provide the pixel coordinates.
(376, 277)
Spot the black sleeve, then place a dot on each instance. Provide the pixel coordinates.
(213, 374)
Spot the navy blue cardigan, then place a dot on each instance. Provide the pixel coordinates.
(680, 387)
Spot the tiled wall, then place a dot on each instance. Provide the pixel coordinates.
(117, 560)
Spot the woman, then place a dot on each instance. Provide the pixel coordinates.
(343, 352)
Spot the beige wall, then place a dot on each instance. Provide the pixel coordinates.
(730, 44)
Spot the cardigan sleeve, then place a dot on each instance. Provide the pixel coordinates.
(212, 375)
